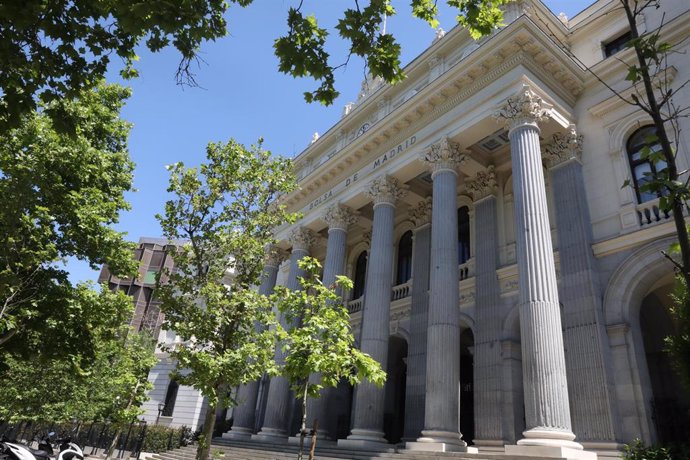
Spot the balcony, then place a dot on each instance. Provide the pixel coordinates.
(649, 214)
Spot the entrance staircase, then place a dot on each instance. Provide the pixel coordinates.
(226, 449)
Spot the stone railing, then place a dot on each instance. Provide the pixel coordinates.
(355, 305)
(466, 270)
(649, 213)
(401, 290)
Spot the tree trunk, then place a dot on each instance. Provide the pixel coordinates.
(113, 444)
(314, 431)
(303, 426)
(677, 204)
(204, 449)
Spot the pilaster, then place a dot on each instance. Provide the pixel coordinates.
(488, 362)
(590, 385)
(415, 389)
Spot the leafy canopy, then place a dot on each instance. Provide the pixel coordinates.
(319, 339)
(61, 195)
(41, 388)
(55, 50)
(222, 215)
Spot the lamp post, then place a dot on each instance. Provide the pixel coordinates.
(161, 408)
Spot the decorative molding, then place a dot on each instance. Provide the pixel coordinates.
(275, 255)
(385, 190)
(421, 214)
(483, 184)
(302, 238)
(339, 217)
(366, 237)
(443, 156)
(563, 147)
(526, 107)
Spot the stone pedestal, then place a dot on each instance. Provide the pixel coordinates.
(559, 452)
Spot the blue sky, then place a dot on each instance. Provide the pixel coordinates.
(243, 96)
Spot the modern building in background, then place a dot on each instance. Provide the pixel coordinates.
(512, 288)
(170, 404)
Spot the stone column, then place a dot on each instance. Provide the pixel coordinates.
(488, 363)
(338, 218)
(415, 385)
(245, 413)
(547, 412)
(367, 426)
(279, 401)
(441, 425)
(594, 415)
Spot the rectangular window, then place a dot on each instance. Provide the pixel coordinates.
(617, 44)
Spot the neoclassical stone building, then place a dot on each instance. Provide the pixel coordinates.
(510, 285)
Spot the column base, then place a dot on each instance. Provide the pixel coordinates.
(440, 441)
(604, 449)
(365, 440)
(322, 442)
(240, 433)
(417, 446)
(489, 445)
(549, 438)
(271, 435)
(558, 452)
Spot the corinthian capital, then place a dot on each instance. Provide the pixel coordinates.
(443, 156)
(385, 190)
(483, 183)
(302, 238)
(274, 255)
(526, 107)
(563, 147)
(339, 216)
(421, 214)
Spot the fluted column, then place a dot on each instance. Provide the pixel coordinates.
(594, 415)
(415, 384)
(488, 362)
(547, 411)
(338, 218)
(244, 416)
(441, 425)
(367, 426)
(278, 405)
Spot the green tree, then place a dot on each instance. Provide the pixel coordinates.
(319, 340)
(113, 380)
(61, 193)
(54, 50)
(223, 213)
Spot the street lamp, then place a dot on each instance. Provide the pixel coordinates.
(161, 408)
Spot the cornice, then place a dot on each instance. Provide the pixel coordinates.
(520, 43)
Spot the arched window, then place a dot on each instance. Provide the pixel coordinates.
(170, 399)
(642, 168)
(360, 275)
(405, 258)
(463, 234)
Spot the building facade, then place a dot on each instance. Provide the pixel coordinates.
(512, 288)
(169, 403)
